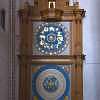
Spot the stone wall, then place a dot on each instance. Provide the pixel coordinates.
(91, 44)
(4, 54)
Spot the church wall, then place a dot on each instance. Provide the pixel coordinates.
(3, 66)
(4, 53)
(91, 44)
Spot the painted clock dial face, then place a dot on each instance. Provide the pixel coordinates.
(51, 38)
(51, 82)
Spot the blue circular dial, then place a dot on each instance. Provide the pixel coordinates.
(51, 38)
(51, 82)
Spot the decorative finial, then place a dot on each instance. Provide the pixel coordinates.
(67, 3)
(52, 3)
(75, 3)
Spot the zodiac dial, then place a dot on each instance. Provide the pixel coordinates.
(51, 38)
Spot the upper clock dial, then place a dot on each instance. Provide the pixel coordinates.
(51, 38)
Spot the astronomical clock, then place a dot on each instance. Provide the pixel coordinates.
(51, 38)
(51, 56)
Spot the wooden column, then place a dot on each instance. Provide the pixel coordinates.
(73, 71)
(77, 70)
(25, 53)
(79, 61)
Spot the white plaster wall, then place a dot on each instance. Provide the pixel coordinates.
(4, 55)
(91, 43)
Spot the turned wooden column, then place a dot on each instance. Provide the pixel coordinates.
(25, 53)
(77, 70)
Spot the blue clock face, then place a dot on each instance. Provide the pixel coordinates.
(51, 82)
(51, 38)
